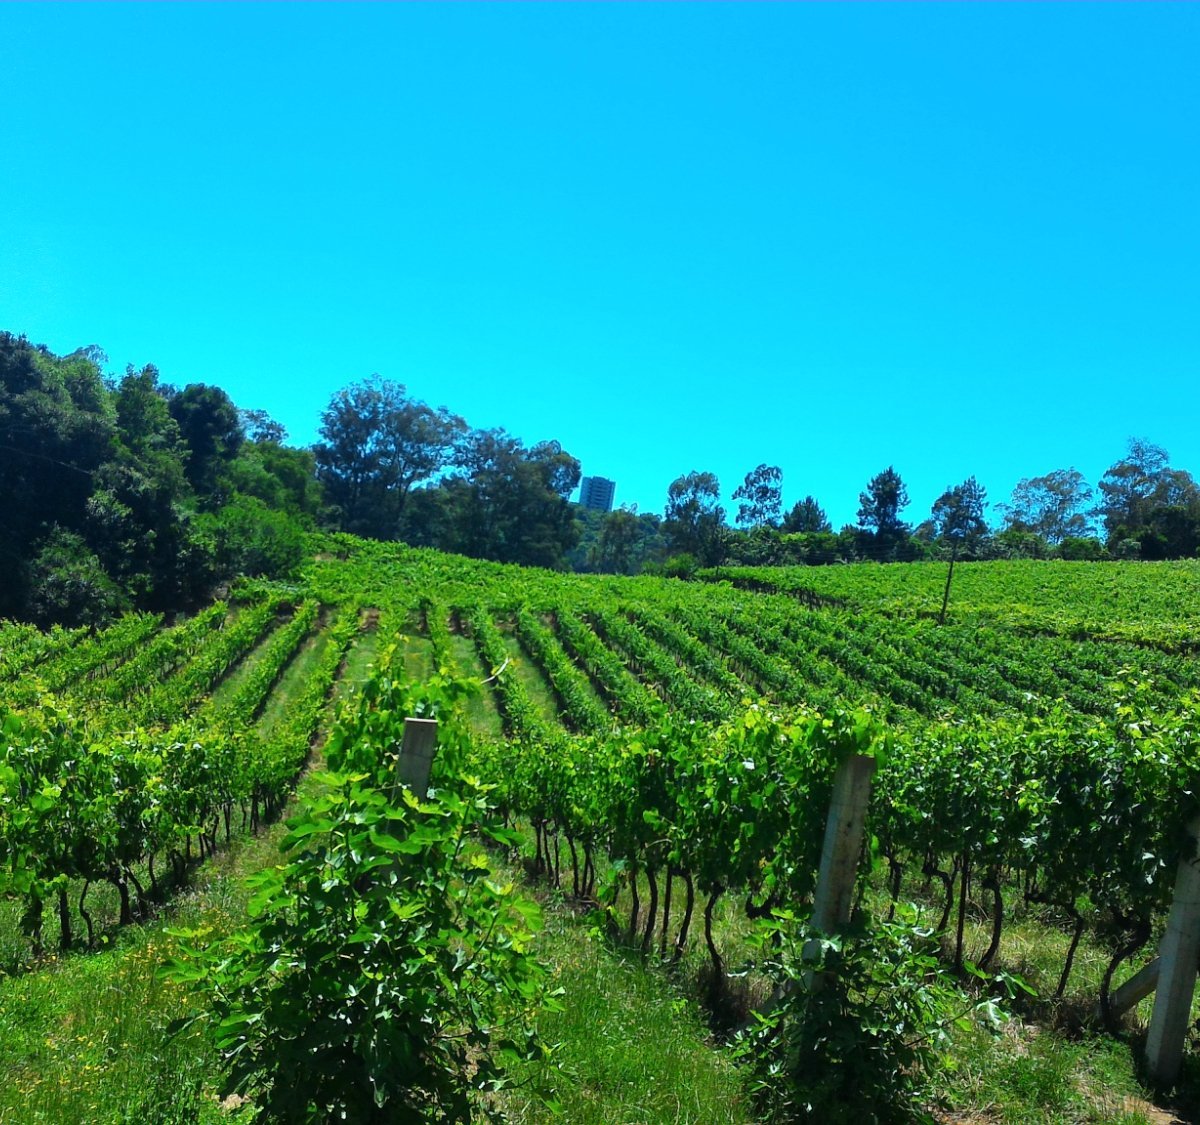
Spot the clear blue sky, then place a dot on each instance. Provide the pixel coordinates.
(957, 238)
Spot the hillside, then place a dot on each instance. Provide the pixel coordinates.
(665, 750)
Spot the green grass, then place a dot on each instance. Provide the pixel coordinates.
(295, 674)
(85, 1040)
(631, 1048)
(228, 686)
(358, 660)
(418, 657)
(532, 679)
(1028, 1075)
(1042, 1068)
(481, 709)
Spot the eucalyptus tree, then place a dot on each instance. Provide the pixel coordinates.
(378, 442)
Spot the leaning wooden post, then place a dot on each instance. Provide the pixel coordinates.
(416, 755)
(1177, 956)
(1131, 993)
(949, 576)
(834, 898)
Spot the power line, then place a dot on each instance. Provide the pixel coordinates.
(52, 460)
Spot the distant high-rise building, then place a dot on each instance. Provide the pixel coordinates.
(597, 493)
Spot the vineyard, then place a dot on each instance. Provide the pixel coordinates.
(1157, 605)
(656, 755)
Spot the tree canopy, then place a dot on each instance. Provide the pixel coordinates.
(1149, 505)
(807, 516)
(694, 520)
(113, 489)
(1054, 506)
(761, 496)
(377, 443)
(957, 515)
(879, 509)
(509, 503)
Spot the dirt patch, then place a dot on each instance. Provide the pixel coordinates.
(1152, 1113)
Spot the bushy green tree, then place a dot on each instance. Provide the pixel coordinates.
(694, 521)
(1053, 507)
(128, 493)
(617, 546)
(144, 491)
(807, 516)
(281, 476)
(211, 429)
(957, 517)
(377, 443)
(69, 586)
(509, 503)
(879, 514)
(1081, 549)
(56, 423)
(252, 539)
(1145, 499)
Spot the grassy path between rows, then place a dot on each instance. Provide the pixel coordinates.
(631, 1049)
(482, 711)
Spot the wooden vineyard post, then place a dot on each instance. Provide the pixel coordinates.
(416, 755)
(1131, 993)
(1177, 960)
(834, 898)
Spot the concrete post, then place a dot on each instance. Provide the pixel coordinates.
(834, 897)
(1177, 957)
(416, 755)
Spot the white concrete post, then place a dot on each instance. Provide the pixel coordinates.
(1177, 955)
(834, 898)
(848, 806)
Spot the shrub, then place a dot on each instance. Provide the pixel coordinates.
(1081, 549)
(864, 1017)
(384, 975)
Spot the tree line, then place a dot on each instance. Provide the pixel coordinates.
(394, 467)
(126, 492)
(1144, 509)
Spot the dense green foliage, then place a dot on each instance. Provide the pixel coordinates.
(392, 994)
(863, 1044)
(130, 493)
(116, 771)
